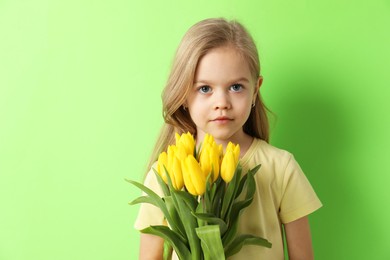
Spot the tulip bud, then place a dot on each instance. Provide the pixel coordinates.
(161, 163)
(235, 149)
(228, 166)
(180, 153)
(176, 174)
(209, 158)
(174, 168)
(208, 139)
(177, 138)
(204, 159)
(193, 176)
(187, 141)
(230, 161)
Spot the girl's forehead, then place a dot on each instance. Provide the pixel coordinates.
(225, 61)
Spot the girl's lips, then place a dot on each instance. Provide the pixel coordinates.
(222, 119)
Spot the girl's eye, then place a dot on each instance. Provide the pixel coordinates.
(205, 89)
(236, 87)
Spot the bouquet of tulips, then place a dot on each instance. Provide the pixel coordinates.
(204, 193)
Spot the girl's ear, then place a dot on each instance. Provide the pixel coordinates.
(259, 83)
(257, 87)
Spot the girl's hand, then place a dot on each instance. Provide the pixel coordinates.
(151, 247)
(299, 239)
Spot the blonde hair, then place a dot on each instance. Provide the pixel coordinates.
(197, 42)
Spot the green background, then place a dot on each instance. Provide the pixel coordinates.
(80, 85)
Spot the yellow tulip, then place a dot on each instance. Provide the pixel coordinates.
(187, 141)
(204, 159)
(177, 137)
(228, 166)
(229, 162)
(208, 139)
(193, 176)
(220, 149)
(176, 174)
(235, 149)
(180, 153)
(174, 168)
(210, 157)
(161, 163)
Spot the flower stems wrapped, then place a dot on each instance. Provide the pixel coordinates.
(204, 194)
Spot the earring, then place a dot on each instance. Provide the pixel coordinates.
(253, 104)
(185, 108)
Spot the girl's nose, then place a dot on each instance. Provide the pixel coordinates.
(221, 100)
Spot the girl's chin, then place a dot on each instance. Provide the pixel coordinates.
(222, 134)
(222, 137)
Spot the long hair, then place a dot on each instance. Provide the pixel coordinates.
(197, 42)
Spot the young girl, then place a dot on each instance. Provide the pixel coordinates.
(214, 88)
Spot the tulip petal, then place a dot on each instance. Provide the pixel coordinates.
(176, 174)
(193, 176)
(228, 166)
(162, 163)
(187, 179)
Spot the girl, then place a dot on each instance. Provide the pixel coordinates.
(214, 88)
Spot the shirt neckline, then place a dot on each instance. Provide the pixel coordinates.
(244, 159)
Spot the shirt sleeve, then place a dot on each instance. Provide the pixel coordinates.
(149, 214)
(298, 198)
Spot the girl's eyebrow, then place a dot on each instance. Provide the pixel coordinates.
(242, 79)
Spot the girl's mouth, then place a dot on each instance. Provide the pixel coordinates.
(222, 120)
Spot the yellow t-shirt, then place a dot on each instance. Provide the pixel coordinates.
(283, 194)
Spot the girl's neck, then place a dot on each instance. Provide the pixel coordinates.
(245, 142)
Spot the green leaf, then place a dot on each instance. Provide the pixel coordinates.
(242, 240)
(207, 196)
(170, 186)
(200, 209)
(211, 242)
(254, 170)
(142, 199)
(244, 179)
(241, 186)
(161, 182)
(184, 203)
(250, 186)
(173, 239)
(214, 187)
(189, 199)
(211, 219)
(230, 234)
(218, 197)
(168, 250)
(189, 223)
(154, 200)
(230, 193)
(238, 206)
(176, 218)
(233, 220)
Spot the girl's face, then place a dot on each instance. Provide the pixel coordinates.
(221, 98)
